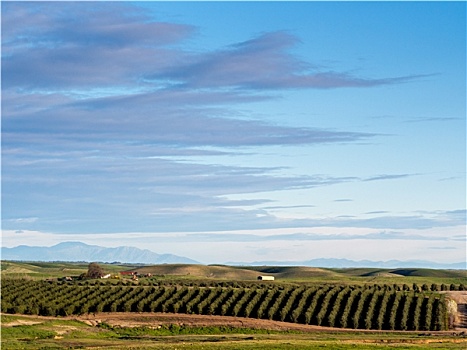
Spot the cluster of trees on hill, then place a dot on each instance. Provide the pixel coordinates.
(94, 271)
(359, 307)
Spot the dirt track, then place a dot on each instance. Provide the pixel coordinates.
(158, 319)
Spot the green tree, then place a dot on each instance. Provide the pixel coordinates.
(94, 271)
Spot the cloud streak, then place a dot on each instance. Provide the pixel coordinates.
(263, 63)
(70, 45)
(241, 237)
(188, 118)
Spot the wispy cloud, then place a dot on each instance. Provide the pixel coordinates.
(434, 119)
(263, 63)
(181, 119)
(241, 237)
(78, 182)
(288, 207)
(23, 220)
(69, 45)
(443, 248)
(388, 177)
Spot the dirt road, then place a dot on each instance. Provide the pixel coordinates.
(460, 297)
(158, 319)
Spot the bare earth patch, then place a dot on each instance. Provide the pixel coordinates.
(154, 320)
(460, 297)
(20, 323)
(159, 319)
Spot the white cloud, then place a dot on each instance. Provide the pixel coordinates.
(29, 220)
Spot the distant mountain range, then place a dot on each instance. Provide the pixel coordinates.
(77, 251)
(344, 263)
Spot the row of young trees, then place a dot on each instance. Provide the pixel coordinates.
(154, 281)
(375, 307)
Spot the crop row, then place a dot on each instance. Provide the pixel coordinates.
(335, 306)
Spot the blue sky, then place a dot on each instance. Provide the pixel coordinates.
(237, 131)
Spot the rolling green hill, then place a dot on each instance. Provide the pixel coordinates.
(416, 272)
(37, 270)
(301, 274)
(238, 273)
(293, 272)
(199, 271)
(430, 273)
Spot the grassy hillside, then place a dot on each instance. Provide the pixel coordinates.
(199, 271)
(40, 270)
(417, 272)
(430, 273)
(299, 274)
(416, 275)
(293, 272)
(304, 274)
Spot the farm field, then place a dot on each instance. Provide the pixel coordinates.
(390, 307)
(223, 307)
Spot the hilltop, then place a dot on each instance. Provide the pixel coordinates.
(303, 273)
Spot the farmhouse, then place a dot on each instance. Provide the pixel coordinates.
(127, 273)
(265, 278)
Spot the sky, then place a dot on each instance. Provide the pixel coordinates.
(237, 131)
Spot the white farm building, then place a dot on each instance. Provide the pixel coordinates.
(265, 278)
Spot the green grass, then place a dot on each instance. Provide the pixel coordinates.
(65, 334)
(43, 270)
(26, 333)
